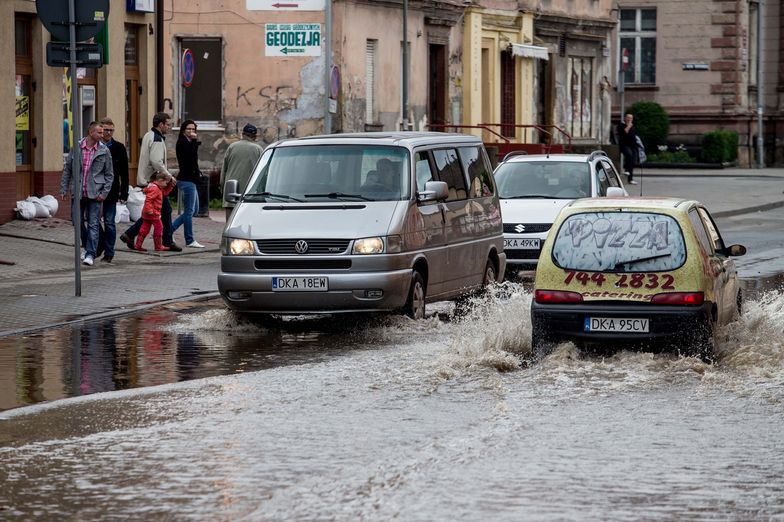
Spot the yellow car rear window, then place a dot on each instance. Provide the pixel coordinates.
(619, 241)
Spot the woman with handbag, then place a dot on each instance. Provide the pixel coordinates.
(187, 180)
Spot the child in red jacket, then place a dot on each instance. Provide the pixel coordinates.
(159, 187)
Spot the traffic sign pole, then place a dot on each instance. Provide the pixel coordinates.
(76, 192)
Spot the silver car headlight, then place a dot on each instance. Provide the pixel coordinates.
(368, 245)
(238, 247)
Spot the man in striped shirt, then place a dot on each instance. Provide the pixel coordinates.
(95, 174)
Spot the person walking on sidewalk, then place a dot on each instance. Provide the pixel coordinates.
(94, 170)
(238, 163)
(627, 140)
(152, 159)
(187, 180)
(156, 192)
(118, 193)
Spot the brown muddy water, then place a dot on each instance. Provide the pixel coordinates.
(374, 419)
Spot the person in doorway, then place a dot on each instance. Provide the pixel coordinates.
(156, 192)
(627, 141)
(93, 169)
(152, 160)
(188, 180)
(238, 163)
(118, 192)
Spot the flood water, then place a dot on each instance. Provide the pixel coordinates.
(374, 419)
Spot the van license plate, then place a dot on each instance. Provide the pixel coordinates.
(522, 243)
(300, 284)
(615, 324)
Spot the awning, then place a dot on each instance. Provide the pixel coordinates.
(529, 51)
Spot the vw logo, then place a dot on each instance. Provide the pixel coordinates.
(301, 246)
(520, 228)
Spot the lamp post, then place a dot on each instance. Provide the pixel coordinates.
(405, 64)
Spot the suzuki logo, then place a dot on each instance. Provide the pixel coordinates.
(301, 246)
(520, 228)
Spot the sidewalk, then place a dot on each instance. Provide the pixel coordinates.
(37, 283)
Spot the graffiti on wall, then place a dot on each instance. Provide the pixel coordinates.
(268, 100)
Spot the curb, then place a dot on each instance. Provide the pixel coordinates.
(113, 313)
(749, 210)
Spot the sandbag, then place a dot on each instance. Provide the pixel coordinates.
(51, 204)
(41, 210)
(25, 210)
(123, 215)
(135, 203)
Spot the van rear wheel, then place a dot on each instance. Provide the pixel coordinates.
(490, 275)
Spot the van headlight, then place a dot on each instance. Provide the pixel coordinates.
(368, 245)
(377, 245)
(238, 247)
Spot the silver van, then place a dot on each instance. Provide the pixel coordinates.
(362, 222)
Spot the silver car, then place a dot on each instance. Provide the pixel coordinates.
(362, 222)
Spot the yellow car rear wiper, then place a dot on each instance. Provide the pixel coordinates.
(619, 264)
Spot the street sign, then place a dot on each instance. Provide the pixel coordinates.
(87, 55)
(91, 16)
(284, 5)
(187, 68)
(292, 40)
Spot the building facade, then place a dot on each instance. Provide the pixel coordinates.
(33, 143)
(699, 60)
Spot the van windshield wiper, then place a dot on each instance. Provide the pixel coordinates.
(271, 195)
(339, 195)
(619, 264)
(532, 196)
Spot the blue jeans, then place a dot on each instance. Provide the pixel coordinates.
(109, 228)
(90, 223)
(190, 204)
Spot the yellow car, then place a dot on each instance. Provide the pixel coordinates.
(639, 271)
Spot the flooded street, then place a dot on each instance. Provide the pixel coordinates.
(380, 418)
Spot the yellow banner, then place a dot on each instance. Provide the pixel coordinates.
(23, 113)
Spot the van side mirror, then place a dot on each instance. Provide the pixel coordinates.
(735, 250)
(434, 191)
(230, 194)
(615, 192)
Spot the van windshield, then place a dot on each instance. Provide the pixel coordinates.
(543, 179)
(619, 242)
(333, 173)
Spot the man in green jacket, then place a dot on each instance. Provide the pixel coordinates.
(238, 163)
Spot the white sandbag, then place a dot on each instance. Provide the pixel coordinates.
(135, 203)
(41, 210)
(25, 210)
(51, 204)
(123, 215)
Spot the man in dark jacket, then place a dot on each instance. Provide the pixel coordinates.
(627, 141)
(118, 192)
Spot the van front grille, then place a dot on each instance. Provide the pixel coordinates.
(320, 247)
(522, 253)
(302, 264)
(527, 228)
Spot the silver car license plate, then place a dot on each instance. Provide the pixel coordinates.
(522, 243)
(616, 324)
(300, 284)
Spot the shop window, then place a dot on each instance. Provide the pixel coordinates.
(581, 96)
(371, 54)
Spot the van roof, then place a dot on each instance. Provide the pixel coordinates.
(632, 203)
(401, 138)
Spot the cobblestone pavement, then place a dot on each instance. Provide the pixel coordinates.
(37, 271)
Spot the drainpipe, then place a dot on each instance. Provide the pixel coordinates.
(405, 65)
(327, 65)
(159, 55)
(760, 90)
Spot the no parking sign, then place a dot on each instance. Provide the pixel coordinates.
(187, 68)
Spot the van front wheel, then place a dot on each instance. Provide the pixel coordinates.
(415, 305)
(490, 274)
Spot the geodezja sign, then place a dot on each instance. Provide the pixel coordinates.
(292, 40)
